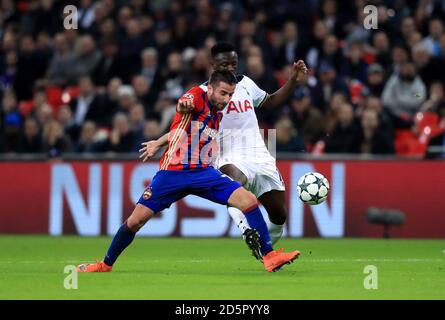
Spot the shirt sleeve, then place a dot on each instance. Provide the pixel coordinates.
(258, 94)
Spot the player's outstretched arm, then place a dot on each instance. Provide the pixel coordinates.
(279, 97)
(150, 148)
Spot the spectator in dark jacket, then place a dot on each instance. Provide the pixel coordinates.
(344, 138)
(306, 118)
(382, 49)
(136, 118)
(30, 141)
(385, 121)
(31, 66)
(150, 69)
(144, 93)
(294, 44)
(256, 70)
(121, 139)
(152, 131)
(87, 56)
(55, 142)
(130, 47)
(375, 79)
(354, 68)
(430, 68)
(109, 65)
(331, 53)
(88, 105)
(327, 85)
(61, 72)
(373, 139)
(287, 138)
(87, 142)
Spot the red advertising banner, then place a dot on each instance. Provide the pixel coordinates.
(94, 198)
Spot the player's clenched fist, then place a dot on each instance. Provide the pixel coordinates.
(299, 70)
(185, 104)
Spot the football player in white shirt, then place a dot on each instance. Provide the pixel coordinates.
(243, 154)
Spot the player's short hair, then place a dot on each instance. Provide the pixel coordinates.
(222, 75)
(222, 47)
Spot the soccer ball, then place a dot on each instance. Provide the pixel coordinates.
(313, 188)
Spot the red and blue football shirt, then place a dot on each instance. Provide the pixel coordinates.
(192, 137)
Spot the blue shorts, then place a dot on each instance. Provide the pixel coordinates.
(169, 186)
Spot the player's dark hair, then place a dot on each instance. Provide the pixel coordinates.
(224, 76)
(222, 47)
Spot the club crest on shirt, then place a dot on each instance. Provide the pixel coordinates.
(188, 96)
(147, 194)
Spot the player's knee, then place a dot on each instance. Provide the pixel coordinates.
(139, 217)
(248, 201)
(135, 223)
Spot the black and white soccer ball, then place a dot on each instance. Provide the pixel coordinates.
(313, 188)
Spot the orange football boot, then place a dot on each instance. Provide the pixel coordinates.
(99, 266)
(274, 260)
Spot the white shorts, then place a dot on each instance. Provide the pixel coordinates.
(261, 176)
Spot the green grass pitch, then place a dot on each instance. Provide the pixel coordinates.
(32, 267)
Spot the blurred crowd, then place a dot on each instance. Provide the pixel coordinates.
(113, 82)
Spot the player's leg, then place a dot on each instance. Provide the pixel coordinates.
(122, 239)
(233, 172)
(161, 193)
(215, 186)
(126, 233)
(236, 174)
(268, 186)
(251, 236)
(247, 203)
(274, 203)
(211, 184)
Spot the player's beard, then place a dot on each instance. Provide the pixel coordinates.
(218, 106)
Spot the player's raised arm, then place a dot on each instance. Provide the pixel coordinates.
(279, 97)
(149, 148)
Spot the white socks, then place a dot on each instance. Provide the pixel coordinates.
(275, 230)
(239, 218)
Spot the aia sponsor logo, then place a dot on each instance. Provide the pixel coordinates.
(238, 106)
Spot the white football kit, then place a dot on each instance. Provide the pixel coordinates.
(241, 142)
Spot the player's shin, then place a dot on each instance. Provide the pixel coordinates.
(256, 221)
(275, 231)
(239, 218)
(121, 240)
